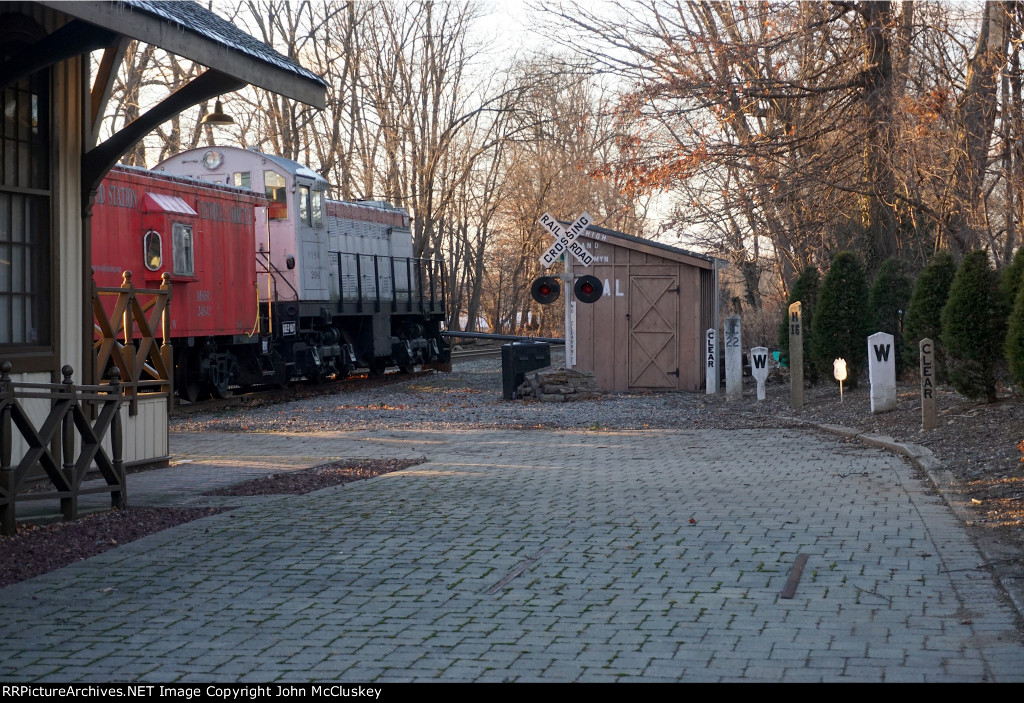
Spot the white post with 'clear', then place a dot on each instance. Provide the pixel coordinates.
(711, 361)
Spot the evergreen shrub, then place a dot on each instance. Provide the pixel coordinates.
(973, 328)
(888, 300)
(842, 322)
(924, 311)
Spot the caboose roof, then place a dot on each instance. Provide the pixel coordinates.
(189, 30)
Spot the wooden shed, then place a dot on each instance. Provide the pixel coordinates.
(646, 331)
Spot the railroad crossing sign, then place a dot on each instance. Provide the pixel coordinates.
(565, 239)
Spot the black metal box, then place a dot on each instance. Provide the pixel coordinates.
(516, 359)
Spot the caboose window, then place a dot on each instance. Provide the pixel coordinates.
(182, 244)
(153, 250)
(26, 259)
(318, 209)
(276, 194)
(242, 179)
(304, 205)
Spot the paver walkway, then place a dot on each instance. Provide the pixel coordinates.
(531, 556)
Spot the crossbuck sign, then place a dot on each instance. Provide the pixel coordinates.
(566, 239)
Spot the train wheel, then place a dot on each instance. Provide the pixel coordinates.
(186, 381)
(406, 368)
(377, 366)
(220, 389)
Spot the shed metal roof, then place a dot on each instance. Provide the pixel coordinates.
(628, 240)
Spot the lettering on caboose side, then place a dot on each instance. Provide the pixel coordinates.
(117, 196)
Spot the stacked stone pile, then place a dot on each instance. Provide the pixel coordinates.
(557, 385)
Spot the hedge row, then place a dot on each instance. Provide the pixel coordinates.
(974, 314)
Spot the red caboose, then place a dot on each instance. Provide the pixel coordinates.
(203, 236)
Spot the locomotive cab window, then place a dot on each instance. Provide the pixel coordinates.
(153, 250)
(182, 244)
(304, 216)
(305, 206)
(318, 209)
(242, 179)
(277, 195)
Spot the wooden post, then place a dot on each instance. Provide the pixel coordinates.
(7, 487)
(118, 499)
(796, 355)
(69, 503)
(166, 351)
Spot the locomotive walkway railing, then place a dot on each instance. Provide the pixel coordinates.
(374, 282)
(126, 338)
(64, 449)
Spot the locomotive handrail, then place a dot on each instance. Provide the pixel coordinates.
(275, 273)
(50, 452)
(376, 285)
(147, 366)
(408, 279)
(394, 287)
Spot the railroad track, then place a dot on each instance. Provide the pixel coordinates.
(356, 382)
(297, 390)
(475, 353)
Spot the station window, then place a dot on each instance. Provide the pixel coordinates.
(26, 236)
(153, 250)
(183, 250)
(304, 205)
(277, 195)
(243, 179)
(318, 209)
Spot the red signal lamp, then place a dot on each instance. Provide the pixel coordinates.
(545, 290)
(588, 289)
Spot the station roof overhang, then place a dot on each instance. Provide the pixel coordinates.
(195, 33)
(233, 58)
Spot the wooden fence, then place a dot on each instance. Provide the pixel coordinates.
(126, 337)
(66, 446)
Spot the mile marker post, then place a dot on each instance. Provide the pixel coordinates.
(733, 340)
(796, 355)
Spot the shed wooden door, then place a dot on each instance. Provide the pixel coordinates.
(654, 331)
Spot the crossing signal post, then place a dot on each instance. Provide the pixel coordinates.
(587, 289)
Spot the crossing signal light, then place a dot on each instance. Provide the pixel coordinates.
(545, 290)
(588, 289)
